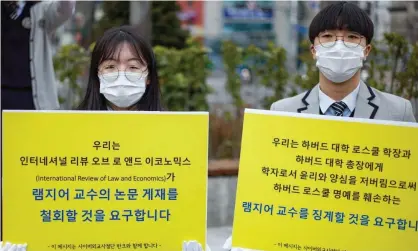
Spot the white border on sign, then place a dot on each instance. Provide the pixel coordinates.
(106, 112)
(324, 117)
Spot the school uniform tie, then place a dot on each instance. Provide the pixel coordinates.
(339, 108)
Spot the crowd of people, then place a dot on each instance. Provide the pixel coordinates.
(123, 74)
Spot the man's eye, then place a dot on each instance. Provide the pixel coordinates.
(326, 35)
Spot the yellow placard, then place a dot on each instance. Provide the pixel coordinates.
(321, 183)
(104, 181)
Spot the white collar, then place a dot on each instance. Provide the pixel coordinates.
(350, 100)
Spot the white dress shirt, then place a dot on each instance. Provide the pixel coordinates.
(350, 100)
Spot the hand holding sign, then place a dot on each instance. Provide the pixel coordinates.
(12, 247)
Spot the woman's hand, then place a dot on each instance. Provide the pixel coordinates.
(193, 246)
(12, 247)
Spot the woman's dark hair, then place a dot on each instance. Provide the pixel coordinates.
(342, 16)
(106, 48)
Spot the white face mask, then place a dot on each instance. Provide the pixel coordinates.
(339, 63)
(122, 92)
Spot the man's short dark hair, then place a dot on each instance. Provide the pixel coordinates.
(342, 16)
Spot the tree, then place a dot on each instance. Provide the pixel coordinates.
(166, 27)
(392, 66)
(116, 13)
(310, 76)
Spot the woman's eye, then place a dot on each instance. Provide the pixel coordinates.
(134, 67)
(109, 66)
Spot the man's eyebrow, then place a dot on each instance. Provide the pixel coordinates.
(354, 32)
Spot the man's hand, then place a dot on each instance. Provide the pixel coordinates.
(57, 12)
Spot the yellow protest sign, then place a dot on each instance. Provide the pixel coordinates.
(104, 181)
(322, 183)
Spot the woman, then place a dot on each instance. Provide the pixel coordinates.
(123, 74)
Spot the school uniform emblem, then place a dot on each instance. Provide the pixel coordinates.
(26, 23)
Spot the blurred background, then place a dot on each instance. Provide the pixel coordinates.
(224, 56)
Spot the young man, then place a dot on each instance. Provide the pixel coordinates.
(340, 35)
(27, 72)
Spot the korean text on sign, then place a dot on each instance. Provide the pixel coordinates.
(319, 177)
(121, 176)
